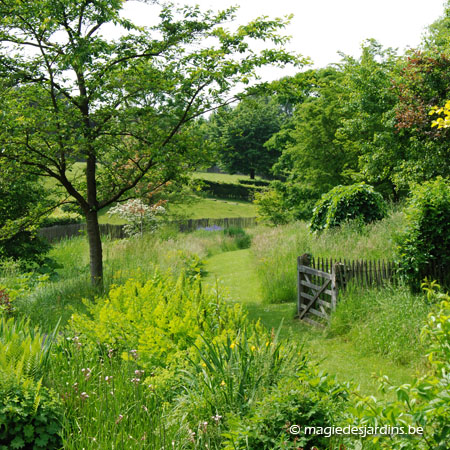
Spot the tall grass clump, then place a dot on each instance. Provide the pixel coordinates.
(276, 251)
(385, 321)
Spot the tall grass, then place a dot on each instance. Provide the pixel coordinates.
(45, 303)
(385, 321)
(276, 250)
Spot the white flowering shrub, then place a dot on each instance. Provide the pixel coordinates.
(140, 217)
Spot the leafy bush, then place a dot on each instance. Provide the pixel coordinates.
(285, 202)
(309, 398)
(139, 216)
(344, 203)
(21, 198)
(424, 247)
(30, 415)
(425, 403)
(253, 182)
(161, 319)
(230, 190)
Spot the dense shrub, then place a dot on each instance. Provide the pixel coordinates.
(30, 415)
(253, 182)
(253, 387)
(20, 198)
(344, 203)
(285, 202)
(230, 190)
(308, 399)
(161, 319)
(424, 247)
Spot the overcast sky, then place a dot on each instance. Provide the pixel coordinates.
(321, 28)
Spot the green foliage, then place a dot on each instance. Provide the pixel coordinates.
(308, 398)
(127, 106)
(240, 237)
(423, 83)
(241, 133)
(253, 386)
(270, 207)
(276, 251)
(20, 197)
(108, 401)
(426, 241)
(344, 203)
(425, 403)
(161, 319)
(261, 183)
(30, 415)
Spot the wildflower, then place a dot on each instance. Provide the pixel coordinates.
(203, 364)
(135, 380)
(75, 386)
(108, 378)
(191, 435)
(144, 408)
(139, 373)
(134, 354)
(110, 353)
(204, 426)
(119, 419)
(84, 396)
(252, 348)
(76, 341)
(223, 383)
(233, 344)
(87, 373)
(216, 418)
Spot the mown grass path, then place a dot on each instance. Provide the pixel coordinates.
(236, 273)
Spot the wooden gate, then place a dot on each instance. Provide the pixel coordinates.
(317, 291)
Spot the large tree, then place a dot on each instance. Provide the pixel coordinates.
(241, 132)
(123, 106)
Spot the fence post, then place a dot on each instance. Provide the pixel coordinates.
(304, 260)
(337, 281)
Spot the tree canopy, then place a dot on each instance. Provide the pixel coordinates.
(124, 106)
(241, 132)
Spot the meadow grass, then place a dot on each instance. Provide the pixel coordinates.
(357, 351)
(123, 259)
(276, 250)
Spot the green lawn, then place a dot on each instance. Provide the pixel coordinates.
(236, 272)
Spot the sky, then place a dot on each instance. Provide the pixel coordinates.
(322, 28)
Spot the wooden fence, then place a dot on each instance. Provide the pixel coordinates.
(58, 232)
(319, 281)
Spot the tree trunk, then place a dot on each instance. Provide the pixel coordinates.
(95, 248)
(252, 174)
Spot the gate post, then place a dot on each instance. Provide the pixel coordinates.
(337, 281)
(304, 260)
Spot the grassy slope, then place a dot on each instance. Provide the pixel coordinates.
(236, 271)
